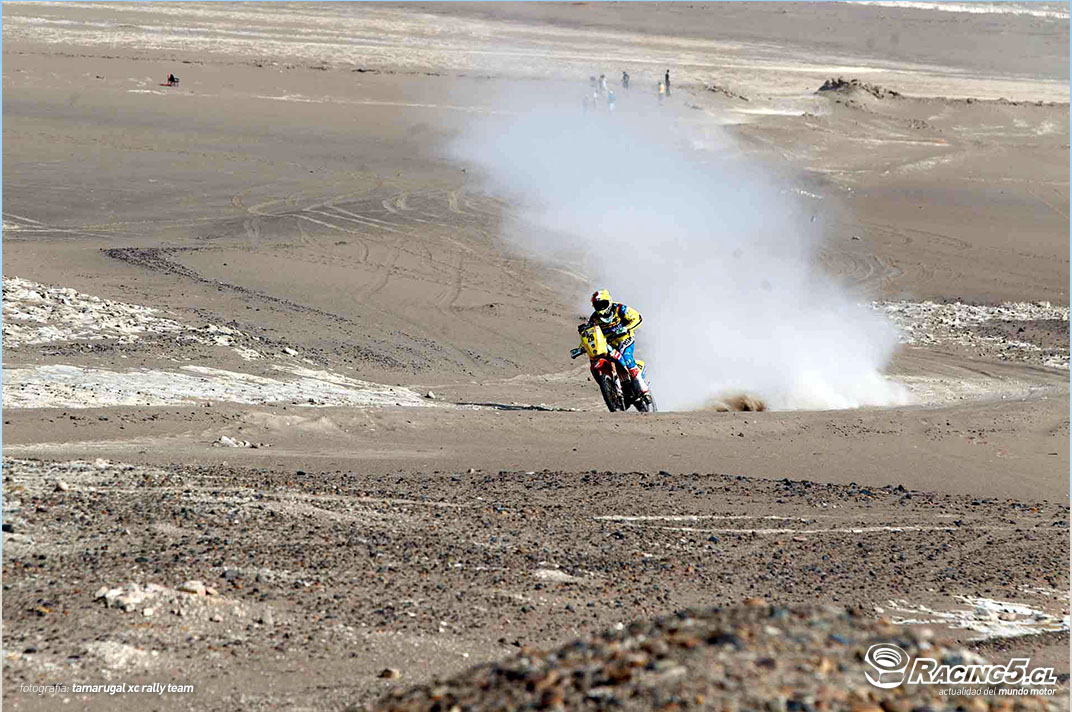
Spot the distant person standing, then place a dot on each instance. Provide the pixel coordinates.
(625, 80)
(668, 82)
(602, 83)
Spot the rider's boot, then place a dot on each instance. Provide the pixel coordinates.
(639, 384)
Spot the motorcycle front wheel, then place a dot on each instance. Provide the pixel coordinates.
(612, 395)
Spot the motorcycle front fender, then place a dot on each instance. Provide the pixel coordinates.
(604, 366)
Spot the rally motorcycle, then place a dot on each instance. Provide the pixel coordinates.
(610, 373)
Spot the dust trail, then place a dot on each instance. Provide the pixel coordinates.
(716, 254)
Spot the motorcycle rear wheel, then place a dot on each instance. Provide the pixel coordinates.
(647, 404)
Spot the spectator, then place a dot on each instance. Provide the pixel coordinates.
(668, 82)
(625, 80)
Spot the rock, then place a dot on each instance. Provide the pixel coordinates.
(109, 595)
(603, 694)
(129, 602)
(776, 704)
(129, 597)
(62, 486)
(430, 396)
(851, 85)
(227, 441)
(7, 527)
(216, 618)
(289, 351)
(194, 587)
(266, 618)
(390, 674)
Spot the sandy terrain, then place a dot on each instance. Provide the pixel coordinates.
(262, 332)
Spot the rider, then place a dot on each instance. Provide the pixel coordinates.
(618, 322)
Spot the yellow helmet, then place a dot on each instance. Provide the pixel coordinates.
(601, 302)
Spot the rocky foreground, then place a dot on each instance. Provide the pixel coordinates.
(754, 657)
(197, 575)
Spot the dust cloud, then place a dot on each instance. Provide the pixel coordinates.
(717, 252)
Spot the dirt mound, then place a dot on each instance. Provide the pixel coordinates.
(744, 657)
(852, 86)
(738, 402)
(729, 93)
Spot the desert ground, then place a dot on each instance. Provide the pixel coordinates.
(286, 420)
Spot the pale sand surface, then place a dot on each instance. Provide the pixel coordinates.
(280, 252)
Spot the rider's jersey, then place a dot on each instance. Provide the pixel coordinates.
(619, 329)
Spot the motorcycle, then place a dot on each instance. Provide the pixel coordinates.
(605, 361)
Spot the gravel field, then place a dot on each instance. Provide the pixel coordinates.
(289, 416)
(200, 573)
